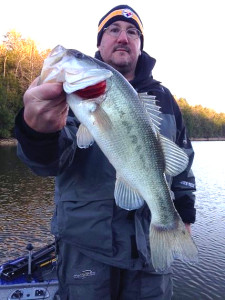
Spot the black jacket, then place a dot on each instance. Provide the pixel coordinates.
(86, 214)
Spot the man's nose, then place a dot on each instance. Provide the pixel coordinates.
(123, 36)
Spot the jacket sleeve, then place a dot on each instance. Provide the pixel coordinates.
(183, 185)
(46, 154)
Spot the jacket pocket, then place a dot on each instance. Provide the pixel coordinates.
(87, 225)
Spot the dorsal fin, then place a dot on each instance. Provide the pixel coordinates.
(152, 110)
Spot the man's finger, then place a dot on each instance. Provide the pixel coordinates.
(45, 91)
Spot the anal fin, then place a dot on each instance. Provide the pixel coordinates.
(126, 197)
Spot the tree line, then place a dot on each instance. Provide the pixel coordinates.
(21, 63)
(202, 122)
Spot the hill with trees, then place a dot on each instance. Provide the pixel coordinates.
(21, 62)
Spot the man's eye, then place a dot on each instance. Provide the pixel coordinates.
(132, 32)
(114, 29)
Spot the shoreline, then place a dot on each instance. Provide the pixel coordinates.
(208, 139)
(13, 141)
(8, 142)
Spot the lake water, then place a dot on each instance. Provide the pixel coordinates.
(26, 206)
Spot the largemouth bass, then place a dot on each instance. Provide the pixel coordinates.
(125, 125)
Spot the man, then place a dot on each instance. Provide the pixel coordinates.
(103, 250)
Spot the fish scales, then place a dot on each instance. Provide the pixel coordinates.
(120, 122)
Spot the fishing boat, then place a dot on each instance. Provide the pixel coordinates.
(32, 276)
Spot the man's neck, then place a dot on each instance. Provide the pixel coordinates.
(128, 75)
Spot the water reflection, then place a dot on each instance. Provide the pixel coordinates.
(206, 280)
(26, 206)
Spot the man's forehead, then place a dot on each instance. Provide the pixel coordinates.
(123, 23)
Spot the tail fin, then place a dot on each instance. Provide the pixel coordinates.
(169, 244)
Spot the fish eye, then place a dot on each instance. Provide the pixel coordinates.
(76, 53)
(79, 54)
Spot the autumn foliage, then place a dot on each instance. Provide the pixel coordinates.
(20, 63)
(202, 122)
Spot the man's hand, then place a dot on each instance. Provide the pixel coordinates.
(45, 107)
(188, 227)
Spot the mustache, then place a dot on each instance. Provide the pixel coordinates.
(123, 47)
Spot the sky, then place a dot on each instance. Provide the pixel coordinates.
(186, 37)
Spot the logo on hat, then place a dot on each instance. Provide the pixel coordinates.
(127, 13)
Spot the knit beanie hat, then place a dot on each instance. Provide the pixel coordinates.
(120, 13)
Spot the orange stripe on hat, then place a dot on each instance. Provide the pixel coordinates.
(120, 12)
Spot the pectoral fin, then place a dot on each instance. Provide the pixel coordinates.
(84, 138)
(126, 197)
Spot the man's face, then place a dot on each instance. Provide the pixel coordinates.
(121, 52)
